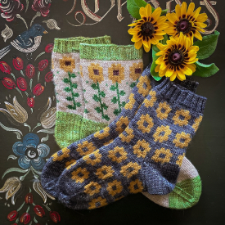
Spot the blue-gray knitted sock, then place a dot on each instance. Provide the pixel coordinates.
(62, 159)
(146, 157)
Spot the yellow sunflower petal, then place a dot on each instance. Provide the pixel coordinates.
(187, 71)
(157, 68)
(172, 17)
(191, 8)
(178, 10)
(169, 73)
(191, 61)
(161, 19)
(183, 8)
(156, 14)
(147, 48)
(159, 60)
(132, 24)
(200, 24)
(192, 67)
(162, 72)
(196, 12)
(142, 12)
(148, 8)
(202, 17)
(198, 35)
(132, 31)
(161, 47)
(136, 38)
(138, 44)
(181, 76)
(173, 77)
(160, 32)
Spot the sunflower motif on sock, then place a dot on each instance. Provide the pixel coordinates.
(136, 70)
(149, 29)
(197, 123)
(162, 155)
(64, 153)
(135, 186)
(141, 148)
(180, 160)
(114, 187)
(177, 58)
(95, 72)
(116, 75)
(121, 124)
(81, 71)
(182, 117)
(67, 64)
(127, 135)
(92, 188)
(93, 159)
(145, 123)
(85, 148)
(104, 172)
(131, 102)
(162, 134)
(97, 203)
(182, 140)
(130, 169)
(118, 154)
(69, 163)
(102, 134)
(163, 110)
(143, 86)
(80, 175)
(150, 102)
(186, 21)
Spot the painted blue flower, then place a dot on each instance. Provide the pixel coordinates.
(31, 153)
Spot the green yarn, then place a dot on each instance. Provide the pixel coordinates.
(69, 45)
(186, 194)
(70, 127)
(109, 52)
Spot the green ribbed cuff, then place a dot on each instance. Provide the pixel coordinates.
(68, 45)
(109, 52)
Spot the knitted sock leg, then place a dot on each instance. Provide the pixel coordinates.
(146, 157)
(68, 87)
(63, 158)
(109, 72)
(187, 191)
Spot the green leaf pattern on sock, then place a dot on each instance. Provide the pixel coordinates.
(70, 89)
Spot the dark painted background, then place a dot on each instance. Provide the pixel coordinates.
(206, 150)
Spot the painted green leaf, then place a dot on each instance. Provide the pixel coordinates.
(71, 107)
(74, 85)
(66, 80)
(104, 106)
(98, 109)
(78, 104)
(114, 100)
(116, 112)
(208, 45)
(69, 99)
(96, 98)
(106, 117)
(102, 93)
(204, 70)
(122, 93)
(133, 7)
(72, 75)
(94, 86)
(123, 104)
(133, 84)
(76, 95)
(67, 89)
(113, 88)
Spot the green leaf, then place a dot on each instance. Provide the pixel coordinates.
(96, 98)
(153, 66)
(166, 38)
(67, 89)
(74, 85)
(66, 80)
(86, 111)
(94, 86)
(133, 85)
(72, 75)
(71, 107)
(116, 112)
(122, 93)
(207, 46)
(98, 109)
(78, 104)
(104, 106)
(203, 70)
(106, 117)
(133, 7)
(69, 99)
(114, 100)
(102, 93)
(123, 104)
(113, 88)
(76, 95)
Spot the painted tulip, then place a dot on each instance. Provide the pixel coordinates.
(12, 215)
(30, 71)
(49, 77)
(49, 48)
(38, 89)
(5, 68)
(39, 210)
(30, 102)
(21, 83)
(18, 63)
(29, 198)
(55, 217)
(42, 64)
(25, 218)
(8, 83)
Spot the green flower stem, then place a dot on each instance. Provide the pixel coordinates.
(100, 100)
(71, 87)
(20, 207)
(118, 95)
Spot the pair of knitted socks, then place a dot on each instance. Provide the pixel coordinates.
(93, 80)
(145, 154)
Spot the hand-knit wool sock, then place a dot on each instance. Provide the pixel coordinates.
(187, 191)
(146, 157)
(68, 87)
(64, 158)
(109, 73)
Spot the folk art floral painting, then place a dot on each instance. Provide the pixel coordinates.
(27, 98)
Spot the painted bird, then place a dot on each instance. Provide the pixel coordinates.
(27, 42)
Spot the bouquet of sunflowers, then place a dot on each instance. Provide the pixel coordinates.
(171, 37)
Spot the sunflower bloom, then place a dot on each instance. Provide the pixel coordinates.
(187, 21)
(149, 29)
(177, 58)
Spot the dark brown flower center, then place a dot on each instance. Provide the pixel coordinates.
(184, 26)
(147, 29)
(176, 57)
(96, 72)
